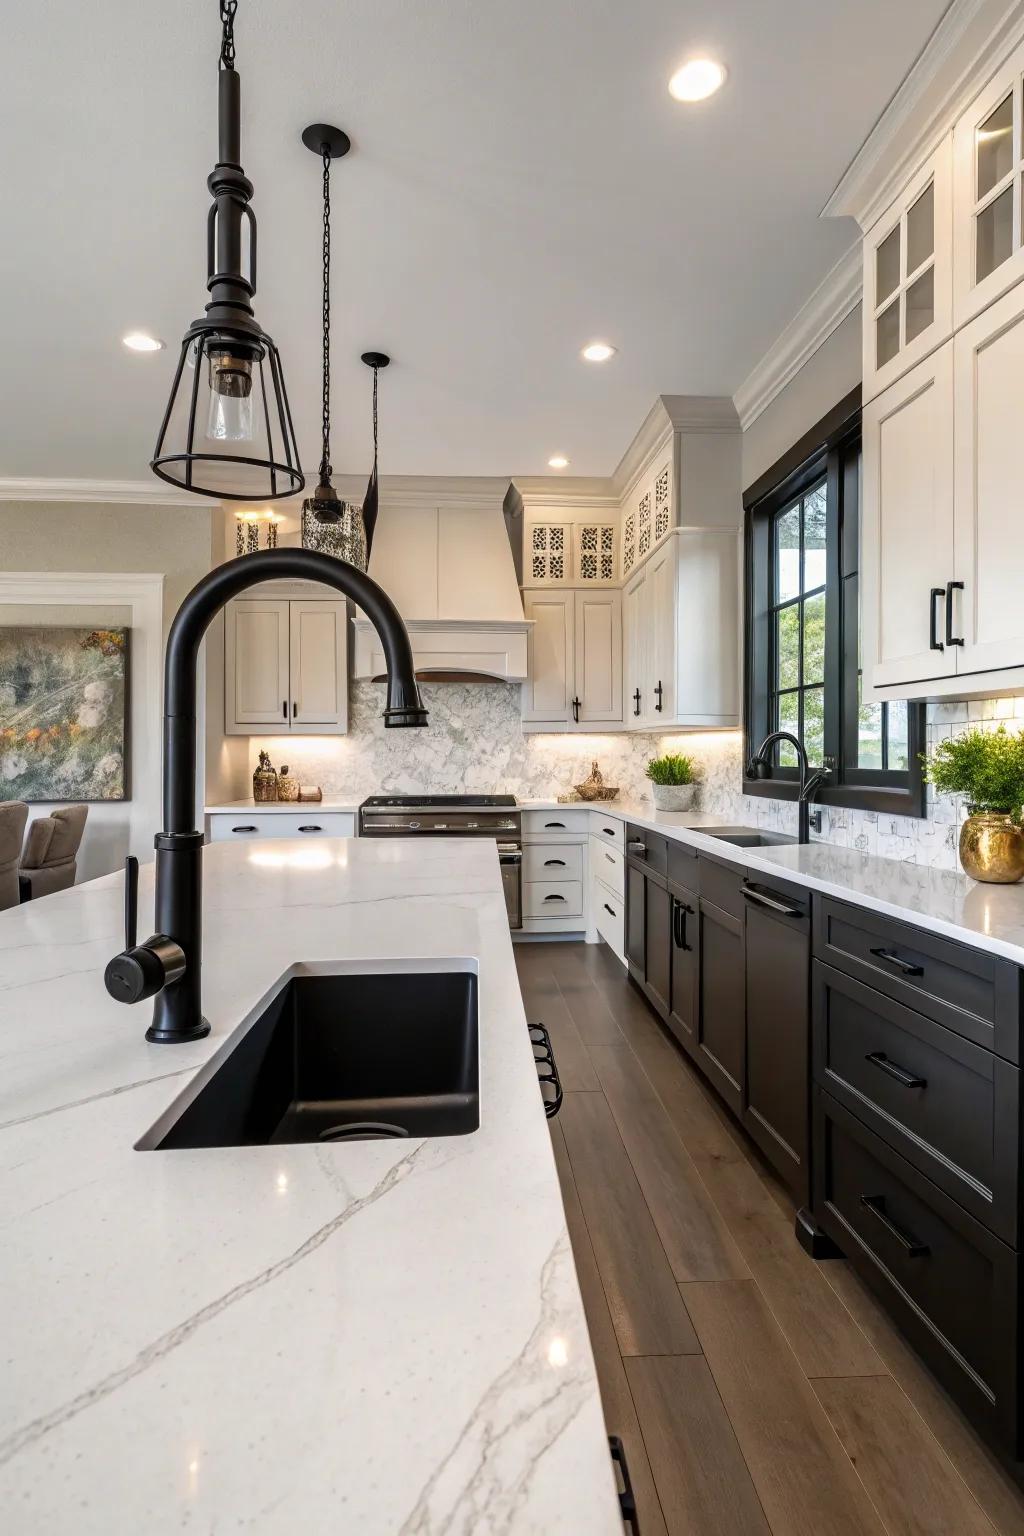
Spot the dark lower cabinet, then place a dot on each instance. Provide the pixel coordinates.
(776, 1101)
(636, 918)
(659, 945)
(720, 1022)
(684, 994)
(648, 917)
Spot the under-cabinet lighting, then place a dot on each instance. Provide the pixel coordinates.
(696, 80)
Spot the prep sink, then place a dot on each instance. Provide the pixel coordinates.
(748, 837)
(344, 1057)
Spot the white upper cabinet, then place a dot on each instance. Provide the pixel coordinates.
(988, 150)
(647, 516)
(908, 275)
(907, 556)
(574, 661)
(285, 666)
(988, 615)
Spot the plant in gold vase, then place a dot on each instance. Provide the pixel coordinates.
(986, 768)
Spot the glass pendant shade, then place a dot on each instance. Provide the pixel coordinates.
(343, 537)
(228, 429)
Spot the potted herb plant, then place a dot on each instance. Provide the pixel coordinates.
(986, 768)
(673, 781)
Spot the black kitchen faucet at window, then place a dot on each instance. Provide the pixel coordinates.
(802, 622)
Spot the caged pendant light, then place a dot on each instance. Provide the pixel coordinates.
(227, 430)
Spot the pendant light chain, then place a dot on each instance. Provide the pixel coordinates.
(227, 47)
(325, 466)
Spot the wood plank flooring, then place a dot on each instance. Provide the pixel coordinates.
(756, 1392)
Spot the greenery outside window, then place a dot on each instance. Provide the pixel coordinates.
(803, 631)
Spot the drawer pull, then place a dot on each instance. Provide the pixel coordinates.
(559, 825)
(680, 912)
(311, 829)
(610, 858)
(911, 1247)
(880, 1060)
(903, 966)
(609, 831)
(609, 910)
(243, 829)
(772, 902)
(554, 898)
(559, 862)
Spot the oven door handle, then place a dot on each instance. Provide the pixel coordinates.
(509, 855)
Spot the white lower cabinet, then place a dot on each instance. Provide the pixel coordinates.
(608, 865)
(606, 897)
(305, 821)
(574, 660)
(943, 539)
(555, 871)
(609, 919)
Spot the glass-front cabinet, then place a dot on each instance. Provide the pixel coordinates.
(988, 157)
(908, 280)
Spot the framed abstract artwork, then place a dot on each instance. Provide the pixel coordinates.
(63, 714)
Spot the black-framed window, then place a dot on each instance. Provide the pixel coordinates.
(803, 632)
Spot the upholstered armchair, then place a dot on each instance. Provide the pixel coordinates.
(13, 816)
(49, 861)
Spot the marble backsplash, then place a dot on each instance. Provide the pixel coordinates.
(476, 742)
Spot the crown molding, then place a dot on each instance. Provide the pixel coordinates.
(968, 43)
(139, 493)
(537, 491)
(671, 415)
(827, 307)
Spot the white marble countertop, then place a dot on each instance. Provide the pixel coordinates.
(230, 807)
(377, 1337)
(943, 901)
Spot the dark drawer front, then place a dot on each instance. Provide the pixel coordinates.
(721, 884)
(647, 848)
(950, 1107)
(682, 866)
(951, 1285)
(975, 994)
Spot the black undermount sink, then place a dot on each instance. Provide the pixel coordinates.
(748, 837)
(344, 1057)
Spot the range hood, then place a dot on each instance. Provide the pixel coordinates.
(441, 551)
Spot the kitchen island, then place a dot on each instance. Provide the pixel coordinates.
(380, 1337)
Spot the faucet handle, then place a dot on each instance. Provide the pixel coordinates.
(131, 901)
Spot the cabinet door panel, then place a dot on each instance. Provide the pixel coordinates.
(598, 647)
(683, 997)
(319, 682)
(777, 1099)
(658, 946)
(659, 695)
(636, 889)
(257, 688)
(637, 623)
(908, 523)
(989, 385)
(722, 1002)
(988, 149)
(547, 692)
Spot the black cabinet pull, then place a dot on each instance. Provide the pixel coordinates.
(934, 643)
(553, 824)
(880, 1060)
(554, 898)
(610, 858)
(609, 830)
(903, 966)
(636, 701)
(244, 829)
(627, 1499)
(576, 710)
(295, 710)
(951, 587)
(609, 910)
(659, 690)
(910, 1245)
(772, 902)
(679, 914)
(311, 829)
(284, 709)
(559, 862)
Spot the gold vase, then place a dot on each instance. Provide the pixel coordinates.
(992, 847)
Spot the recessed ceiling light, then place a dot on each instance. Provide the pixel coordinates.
(558, 461)
(142, 341)
(598, 351)
(696, 80)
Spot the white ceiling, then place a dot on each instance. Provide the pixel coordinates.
(521, 182)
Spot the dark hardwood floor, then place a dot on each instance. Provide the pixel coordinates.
(755, 1391)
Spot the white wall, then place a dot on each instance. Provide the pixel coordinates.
(822, 382)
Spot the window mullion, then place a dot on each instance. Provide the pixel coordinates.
(835, 641)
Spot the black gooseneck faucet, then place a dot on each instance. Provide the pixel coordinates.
(759, 767)
(168, 966)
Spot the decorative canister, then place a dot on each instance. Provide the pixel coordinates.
(287, 786)
(264, 781)
(311, 792)
(992, 847)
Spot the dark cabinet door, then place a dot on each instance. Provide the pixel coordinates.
(636, 884)
(776, 1108)
(658, 941)
(721, 1017)
(683, 997)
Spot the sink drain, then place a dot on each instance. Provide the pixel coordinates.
(363, 1130)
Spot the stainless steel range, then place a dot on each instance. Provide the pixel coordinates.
(491, 816)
